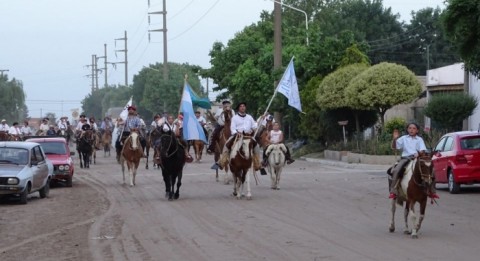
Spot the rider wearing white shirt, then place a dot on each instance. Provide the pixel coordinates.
(4, 126)
(44, 127)
(241, 123)
(26, 130)
(62, 123)
(14, 130)
(220, 118)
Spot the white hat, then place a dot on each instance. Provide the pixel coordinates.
(3, 120)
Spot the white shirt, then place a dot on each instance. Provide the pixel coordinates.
(263, 120)
(4, 127)
(220, 117)
(44, 127)
(275, 136)
(167, 127)
(154, 124)
(26, 130)
(14, 130)
(243, 124)
(93, 126)
(80, 125)
(410, 145)
(62, 125)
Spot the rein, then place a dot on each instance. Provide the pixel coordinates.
(423, 175)
(169, 144)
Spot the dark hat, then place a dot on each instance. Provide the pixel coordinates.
(131, 107)
(82, 116)
(238, 105)
(15, 123)
(226, 102)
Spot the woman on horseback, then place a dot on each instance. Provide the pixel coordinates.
(275, 136)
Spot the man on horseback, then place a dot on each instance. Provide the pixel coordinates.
(275, 136)
(107, 124)
(175, 126)
(44, 127)
(411, 145)
(4, 126)
(131, 123)
(15, 131)
(81, 126)
(26, 130)
(219, 116)
(241, 123)
(202, 122)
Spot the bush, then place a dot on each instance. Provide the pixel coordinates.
(395, 123)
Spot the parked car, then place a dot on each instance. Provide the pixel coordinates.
(58, 152)
(24, 169)
(456, 159)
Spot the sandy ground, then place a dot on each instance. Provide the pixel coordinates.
(321, 212)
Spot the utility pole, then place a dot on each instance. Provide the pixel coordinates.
(93, 72)
(164, 30)
(104, 69)
(277, 35)
(126, 56)
(3, 70)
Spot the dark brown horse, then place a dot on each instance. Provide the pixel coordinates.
(262, 135)
(223, 137)
(413, 189)
(84, 148)
(4, 136)
(132, 152)
(107, 141)
(151, 138)
(241, 159)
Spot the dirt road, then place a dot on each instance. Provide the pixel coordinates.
(320, 213)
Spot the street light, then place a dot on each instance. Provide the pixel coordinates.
(296, 9)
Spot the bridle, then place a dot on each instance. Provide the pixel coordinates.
(172, 142)
(425, 177)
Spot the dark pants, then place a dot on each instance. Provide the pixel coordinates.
(121, 140)
(288, 156)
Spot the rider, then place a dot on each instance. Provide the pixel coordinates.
(175, 126)
(241, 123)
(107, 124)
(14, 130)
(51, 131)
(44, 126)
(155, 122)
(202, 122)
(4, 126)
(80, 126)
(411, 145)
(275, 136)
(220, 118)
(131, 123)
(26, 130)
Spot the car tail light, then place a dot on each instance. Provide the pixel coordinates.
(461, 159)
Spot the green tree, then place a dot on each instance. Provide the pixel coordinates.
(383, 86)
(12, 99)
(450, 109)
(462, 27)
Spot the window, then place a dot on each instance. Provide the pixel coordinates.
(448, 144)
(470, 143)
(439, 146)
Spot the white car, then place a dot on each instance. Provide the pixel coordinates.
(24, 169)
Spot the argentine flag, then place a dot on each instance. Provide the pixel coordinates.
(191, 127)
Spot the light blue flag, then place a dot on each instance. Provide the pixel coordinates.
(288, 86)
(192, 130)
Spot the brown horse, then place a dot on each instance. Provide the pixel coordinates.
(262, 135)
(241, 159)
(224, 136)
(198, 147)
(132, 152)
(413, 189)
(107, 141)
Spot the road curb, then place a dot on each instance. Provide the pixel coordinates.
(346, 164)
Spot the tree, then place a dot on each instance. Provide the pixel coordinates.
(12, 99)
(450, 109)
(383, 86)
(462, 27)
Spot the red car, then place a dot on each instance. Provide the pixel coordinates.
(456, 160)
(57, 151)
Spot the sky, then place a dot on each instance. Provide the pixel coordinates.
(47, 44)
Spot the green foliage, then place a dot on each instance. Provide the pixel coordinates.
(12, 100)
(450, 109)
(383, 86)
(353, 55)
(462, 27)
(395, 123)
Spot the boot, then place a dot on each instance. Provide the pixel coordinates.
(289, 157)
(265, 162)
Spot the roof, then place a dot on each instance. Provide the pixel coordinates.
(41, 139)
(18, 144)
(464, 133)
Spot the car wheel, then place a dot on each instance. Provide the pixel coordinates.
(453, 187)
(45, 190)
(69, 182)
(24, 194)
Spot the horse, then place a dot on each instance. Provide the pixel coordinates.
(64, 133)
(225, 134)
(151, 138)
(413, 189)
(241, 159)
(262, 135)
(132, 152)
(84, 148)
(172, 161)
(276, 162)
(107, 141)
(198, 146)
(96, 144)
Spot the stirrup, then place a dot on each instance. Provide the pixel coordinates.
(392, 195)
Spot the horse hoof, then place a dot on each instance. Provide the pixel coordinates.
(415, 236)
(176, 196)
(406, 232)
(170, 199)
(391, 229)
(249, 197)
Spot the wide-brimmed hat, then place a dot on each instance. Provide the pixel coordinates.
(3, 120)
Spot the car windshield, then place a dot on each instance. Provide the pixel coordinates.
(470, 143)
(16, 156)
(56, 148)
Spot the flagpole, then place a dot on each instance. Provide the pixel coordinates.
(183, 90)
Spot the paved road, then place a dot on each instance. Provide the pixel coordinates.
(322, 212)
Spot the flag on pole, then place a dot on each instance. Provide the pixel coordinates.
(192, 130)
(199, 101)
(288, 86)
(124, 113)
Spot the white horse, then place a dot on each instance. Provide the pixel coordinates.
(276, 162)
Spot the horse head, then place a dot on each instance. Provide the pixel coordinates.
(88, 136)
(243, 146)
(423, 168)
(133, 141)
(166, 144)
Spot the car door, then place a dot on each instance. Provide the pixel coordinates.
(39, 167)
(441, 163)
